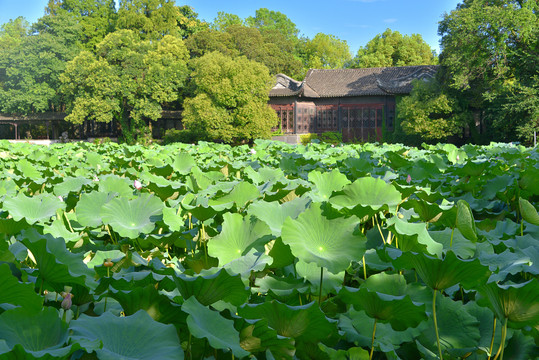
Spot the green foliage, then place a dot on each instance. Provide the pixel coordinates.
(269, 47)
(490, 56)
(224, 20)
(129, 80)
(430, 112)
(178, 136)
(30, 66)
(268, 251)
(391, 48)
(324, 51)
(153, 19)
(231, 98)
(265, 19)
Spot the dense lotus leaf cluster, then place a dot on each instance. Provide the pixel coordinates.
(285, 252)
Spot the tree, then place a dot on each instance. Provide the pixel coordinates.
(96, 18)
(325, 52)
(265, 19)
(431, 111)
(31, 66)
(231, 99)
(224, 20)
(128, 79)
(393, 49)
(13, 33)
(490, 51)
(271, 48)
(153, 19)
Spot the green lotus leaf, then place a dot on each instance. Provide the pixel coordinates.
(465, 221)
(131, 337)
(11, 227)
(253, 261)
(174, 221)
(212, 288)
(518, 303)
(305, 323)
(281, 253)
(183, 163)
(326, 183)
(130, 218)
(34, 334)
(281, 286)
(115, 184)
(331, 283)
(209, 324)
(15, 293)
(358, 326)
(27, 170)
(57, 266)
(473, 168)
(38, 208)
(368, 192)
(203, 211)
(440, 274)
(382, 297)
(88, 208)
(241, 194)
(528, 211)
(452, 240)
(238, 236)
(274, 214)
(414, 237)
(257, 336)
(458, 330)
(428, 212)
(58, 230)
(70, 185)
(528, 180)
(355, 353)
(331, 244)
(147, 298)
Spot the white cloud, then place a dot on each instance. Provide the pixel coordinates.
(390, 21)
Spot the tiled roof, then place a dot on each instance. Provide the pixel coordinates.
(354, 82)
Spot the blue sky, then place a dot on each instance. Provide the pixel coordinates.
(356, 21)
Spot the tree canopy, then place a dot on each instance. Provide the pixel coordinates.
(129, 79)
(231, 99)
(391, 48)
(490, 51)
(325, 52)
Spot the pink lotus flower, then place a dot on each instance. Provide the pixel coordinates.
(252, 151)
(137, 184)
(408, 179)
(458, 158)
(60, 198)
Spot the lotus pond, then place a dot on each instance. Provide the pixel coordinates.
(271, 252)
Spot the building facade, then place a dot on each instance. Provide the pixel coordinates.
(356, 102)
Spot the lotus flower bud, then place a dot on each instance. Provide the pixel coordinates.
(252, 151)
(66, 303)
(408, 179)
(137, 184)
(60, 198)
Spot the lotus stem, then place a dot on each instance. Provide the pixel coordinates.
(68, 222)
(321, 279)
(372, 342)
(502, 343)
(436, 324)
(521, 227)
(451, 241)
(364, 269)
(492, 340)
(379, 229)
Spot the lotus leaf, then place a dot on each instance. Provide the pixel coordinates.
(30, 334)
(528, 211)
(209, 324)
(331, 244)
(132, 337)
(15, 293)
(326, 184)
(212, 288)
(38, 208)
(238, 236)
(130, 218)
(370, 193)
(88, 208)
(274, 214)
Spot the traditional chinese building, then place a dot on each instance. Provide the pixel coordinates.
(356, 102)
